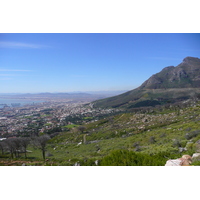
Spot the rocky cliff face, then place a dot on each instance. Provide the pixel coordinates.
(185, 75)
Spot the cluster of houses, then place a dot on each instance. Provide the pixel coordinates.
(32, 119)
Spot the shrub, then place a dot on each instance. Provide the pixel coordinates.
(192, 134)
(130, 158)
(88, 162)
(176, 143)
(152, 140)
(196, 163)
(163, 135)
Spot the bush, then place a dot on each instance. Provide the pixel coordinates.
(88, 162)
(130, 158)
(163, 135)
(192, 134)
(196, 163)
(152, 140)
(176, 143)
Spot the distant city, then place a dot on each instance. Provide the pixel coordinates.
(34, 113)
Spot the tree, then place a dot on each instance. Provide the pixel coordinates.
(2, 146)
(41, 142)
(11, 146)
(81, 128)
(24, 143)
(17, 146)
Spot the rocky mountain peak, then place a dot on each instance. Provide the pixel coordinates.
(190, 59)
(185, 75)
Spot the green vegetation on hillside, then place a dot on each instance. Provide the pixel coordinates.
(144, 137)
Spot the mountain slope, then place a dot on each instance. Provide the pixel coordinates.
(170, 85)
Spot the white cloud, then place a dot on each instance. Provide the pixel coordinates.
(20, 45)
(9, 75)
(14, 70)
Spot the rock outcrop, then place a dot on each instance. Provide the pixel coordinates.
(185, 160)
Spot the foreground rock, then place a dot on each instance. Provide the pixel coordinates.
(185, 160)
(196, 157)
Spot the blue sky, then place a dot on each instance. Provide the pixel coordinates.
(67, 62)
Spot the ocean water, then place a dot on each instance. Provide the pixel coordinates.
(22, 102)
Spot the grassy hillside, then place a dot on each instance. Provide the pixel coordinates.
(148, 97)
(148, 137)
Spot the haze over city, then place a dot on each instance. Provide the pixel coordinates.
(68, 62)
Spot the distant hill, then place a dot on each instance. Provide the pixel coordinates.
(71, 96)
(172, 84)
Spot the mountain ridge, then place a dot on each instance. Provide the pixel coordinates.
(185, 75)
(171, 84)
